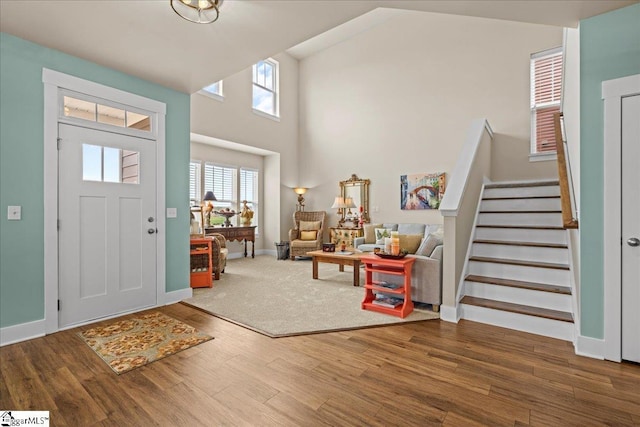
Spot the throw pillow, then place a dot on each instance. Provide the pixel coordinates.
(410, 242)
(309, 225)
(381, 233)
(308, 235)
(370, 232)
(429, 244)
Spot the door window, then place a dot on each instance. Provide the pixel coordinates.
(108, 164)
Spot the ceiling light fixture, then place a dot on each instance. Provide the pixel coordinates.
(198, 11)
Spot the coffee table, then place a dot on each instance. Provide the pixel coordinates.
(352, 259)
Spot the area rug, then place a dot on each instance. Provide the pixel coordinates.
(279, 298)
(128, 344)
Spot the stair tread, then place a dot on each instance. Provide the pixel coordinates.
(514, 243)
(525, 227)
(520, 262)
(518, 308)
(520, 197)
(519, 284)
(537, 211)
(523, 184)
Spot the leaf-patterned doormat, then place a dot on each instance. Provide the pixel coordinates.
(128, 344)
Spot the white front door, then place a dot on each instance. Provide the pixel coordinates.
(631, 228)
(107, 228)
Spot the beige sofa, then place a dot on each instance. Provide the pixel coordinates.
(426, 273)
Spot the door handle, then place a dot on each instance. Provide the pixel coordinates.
(632, 241)
(151, 230)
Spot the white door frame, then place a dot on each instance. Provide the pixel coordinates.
(612, 93)
(53, 82)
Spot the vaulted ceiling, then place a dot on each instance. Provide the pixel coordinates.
(145, 38)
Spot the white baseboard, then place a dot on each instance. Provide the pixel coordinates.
(590, 347)
(22, 332)
(175, 296)
(449, 313)
(36, 329)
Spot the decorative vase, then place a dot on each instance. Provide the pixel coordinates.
(246, 215)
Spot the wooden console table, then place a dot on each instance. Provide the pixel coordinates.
(246, 234)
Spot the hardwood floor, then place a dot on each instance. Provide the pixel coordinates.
(428, 373)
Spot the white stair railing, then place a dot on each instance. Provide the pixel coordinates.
(459, 207)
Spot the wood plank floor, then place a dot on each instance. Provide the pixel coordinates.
(423, 374)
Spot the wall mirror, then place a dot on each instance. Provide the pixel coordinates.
(357, 190)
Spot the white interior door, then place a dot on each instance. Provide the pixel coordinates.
(107, 229)
(631, 228)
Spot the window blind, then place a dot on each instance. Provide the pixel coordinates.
(220, 180)
(546, 94)
(249, 192)
(248, 185)
(194, 182)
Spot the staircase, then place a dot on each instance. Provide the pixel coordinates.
(518, 270)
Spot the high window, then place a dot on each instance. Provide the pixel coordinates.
(546, 93)
(265, 87)
(213, 90)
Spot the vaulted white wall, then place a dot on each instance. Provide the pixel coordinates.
(394, 100)
(233, 120)
(398, 99)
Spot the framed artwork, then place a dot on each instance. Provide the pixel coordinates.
(421, 191)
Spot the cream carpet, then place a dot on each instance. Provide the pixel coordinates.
(279, 298)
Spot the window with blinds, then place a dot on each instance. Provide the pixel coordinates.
(222, 181)
(546, 93)
(194, 183)
(249, 191)
(230, 184)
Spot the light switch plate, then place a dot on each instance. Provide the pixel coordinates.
(14, 213)
(172, 212)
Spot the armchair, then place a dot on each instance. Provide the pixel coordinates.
(307, 232)
(219, 255)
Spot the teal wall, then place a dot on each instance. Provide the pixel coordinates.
(609, 49)
(21, 170)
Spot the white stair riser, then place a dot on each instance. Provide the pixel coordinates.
(537, 219)
(522, 235)
(522, 253)
(549, 300)
(521, 205)
(549, 276)
(547, 190)
(519, 322)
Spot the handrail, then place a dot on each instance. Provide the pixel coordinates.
(459, 177)
(458, 208)
(568, 219)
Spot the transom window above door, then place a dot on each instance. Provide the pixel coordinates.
(78, 107)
